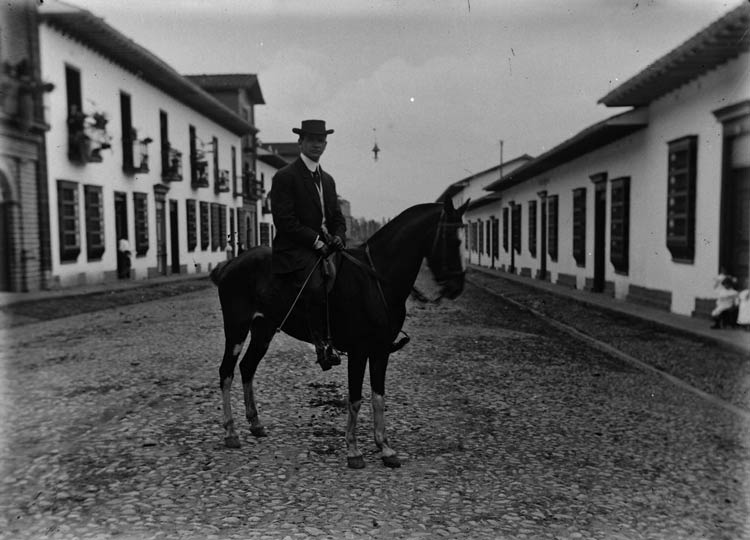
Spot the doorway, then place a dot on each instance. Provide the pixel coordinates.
(543, 237)
(161, 237)
(121, 233)
(174, 236)
(600, 224)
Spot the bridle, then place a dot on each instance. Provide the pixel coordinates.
(446, 273)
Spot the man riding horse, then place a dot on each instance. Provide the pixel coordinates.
(309, 225)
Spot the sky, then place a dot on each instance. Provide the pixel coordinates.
(436, 83)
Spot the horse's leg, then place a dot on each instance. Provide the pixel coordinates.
(356, 370)
(378, 367)
(260, 339)
(234, 338)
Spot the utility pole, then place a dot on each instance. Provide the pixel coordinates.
(501, 159)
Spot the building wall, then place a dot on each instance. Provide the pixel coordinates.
(24, 235)
(101, 84)
(643, 157)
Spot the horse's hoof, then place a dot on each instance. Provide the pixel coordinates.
(392, 462)
(232, 441)
(259, 431)
(356, 462)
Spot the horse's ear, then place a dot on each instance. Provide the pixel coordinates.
(463, 207)
(448, 205)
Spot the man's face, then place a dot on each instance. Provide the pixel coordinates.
(313, 146)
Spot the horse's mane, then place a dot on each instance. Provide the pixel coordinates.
(397, 223)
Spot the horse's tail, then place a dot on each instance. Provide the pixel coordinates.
(217, 273)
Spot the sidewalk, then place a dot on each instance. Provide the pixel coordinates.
(8, 298)
(737, 339)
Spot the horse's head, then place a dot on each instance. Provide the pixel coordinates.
(446, 258)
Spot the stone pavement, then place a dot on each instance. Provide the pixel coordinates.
(508, 429)
(737, 339)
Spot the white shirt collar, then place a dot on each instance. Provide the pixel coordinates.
(311, 165)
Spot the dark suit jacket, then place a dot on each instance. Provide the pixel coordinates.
(297, 216)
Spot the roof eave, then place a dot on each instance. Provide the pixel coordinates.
(97, 34)
(584, 142)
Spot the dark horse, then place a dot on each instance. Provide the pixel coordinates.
(367, 310)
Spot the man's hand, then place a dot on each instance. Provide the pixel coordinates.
(336, 243)
(322, 251)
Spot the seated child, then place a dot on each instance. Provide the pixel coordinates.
(725, 312)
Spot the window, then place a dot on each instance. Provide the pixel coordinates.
(215, 237)
(552, 227)
(488, 236)
(495, 237)
(128, 138)
(620, 224)
(140, 209)
(215, 147)
(480, 237)
(164, 136)
(222, 226)
(76, 116)
(265, 234)
(681, 198)
(532, 228)
(67, 216)
(516, 235)
(579, 226)
(505, 229)
(94, 222)
(205, 226)
(192, 225)
(234, 171)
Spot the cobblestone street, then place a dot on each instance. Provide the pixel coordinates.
(507, 427)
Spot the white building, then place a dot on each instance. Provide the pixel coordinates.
(651, 204)
(134, 151)
(480, 216)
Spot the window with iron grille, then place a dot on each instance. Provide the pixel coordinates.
(516, 236)
(192, 225)
(215, 143)
(619, 232)
(488, 236)
(505, 229)
(205, 225)
(68, 220)
(140, 211)
(532, 228)
(681, 198)
(480, 237)
(215, 236)
(222, 226)
(579, 226)
(265, 234)
(552, 227)
(94, 210)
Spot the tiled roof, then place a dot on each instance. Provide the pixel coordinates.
(456, 187)
(723, 40)
(93, 32)
(587, 140)
(230, 81)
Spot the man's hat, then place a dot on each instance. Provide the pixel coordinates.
(313, 127)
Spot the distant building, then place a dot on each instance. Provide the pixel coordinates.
(241, 93)
(651, 204)
(25, 236)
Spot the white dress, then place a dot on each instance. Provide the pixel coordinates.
(743, 317)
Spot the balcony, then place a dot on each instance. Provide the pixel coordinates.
(135, 154)
(252, 189)
(173, 165)
(87, 136)
(222, 182)
(200, 170)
